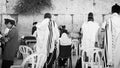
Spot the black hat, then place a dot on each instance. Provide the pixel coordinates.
(9, 21)
(47, 15)
(115, 8)
(34, 23)
(90, 14)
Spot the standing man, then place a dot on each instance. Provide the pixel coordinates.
(112, 25)
(89, 32)
(11, 44)
(46, 36)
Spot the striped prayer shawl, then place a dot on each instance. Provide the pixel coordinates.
(49, 37)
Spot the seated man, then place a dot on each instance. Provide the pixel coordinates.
(64, 41)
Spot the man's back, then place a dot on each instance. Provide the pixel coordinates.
(42, 35)
(115, 19)
(89, 30)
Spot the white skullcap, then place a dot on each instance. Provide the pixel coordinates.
(9, 17)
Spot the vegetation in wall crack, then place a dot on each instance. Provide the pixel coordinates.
(31, 6)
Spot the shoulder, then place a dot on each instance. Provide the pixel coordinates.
(96, 23)
(84, 24)
(43, 23)
(6, 29)
(46, 20)
(14, 30)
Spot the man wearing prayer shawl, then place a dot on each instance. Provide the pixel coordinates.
(46, 36)
(113, 33)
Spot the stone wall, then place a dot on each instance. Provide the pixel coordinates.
(64, 9)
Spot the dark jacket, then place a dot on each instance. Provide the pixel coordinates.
(12, 45)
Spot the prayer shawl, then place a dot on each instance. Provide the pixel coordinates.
(109, 40)
(113, 31)
(52, 42)
(46, 34)
(50, 36)
(116, 39)
(55, 36)
(42, 38)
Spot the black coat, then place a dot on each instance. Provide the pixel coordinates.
(12, 45)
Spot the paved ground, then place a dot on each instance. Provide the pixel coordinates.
(17, 62)
(74, 59)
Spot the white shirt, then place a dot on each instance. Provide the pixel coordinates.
(65, 40)
(89, 30)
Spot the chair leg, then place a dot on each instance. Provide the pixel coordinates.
(56, 64)
(70, 62)
(69, 65)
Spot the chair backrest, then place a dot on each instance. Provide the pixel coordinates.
(25, 50)
(35, 59)
(65, 51)
(34, 48)
(86, 57)
(91, 58)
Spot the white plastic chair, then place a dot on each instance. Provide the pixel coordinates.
(75, 43)
(91, 57)
(36, 60)
(25, 50)
(98, 58)
(86, 64)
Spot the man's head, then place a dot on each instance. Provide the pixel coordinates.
(34, 23)
(90, 17)
(63, 27)
(9, 23)
(47, 15)
(115, 9)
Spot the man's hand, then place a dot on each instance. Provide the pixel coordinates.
(102, 30)
(6, 39)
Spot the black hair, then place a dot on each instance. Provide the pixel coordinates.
(63, 27)
(47, 15)
(90, 17)
(7, 21)
(34, 23)
(115, 9)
